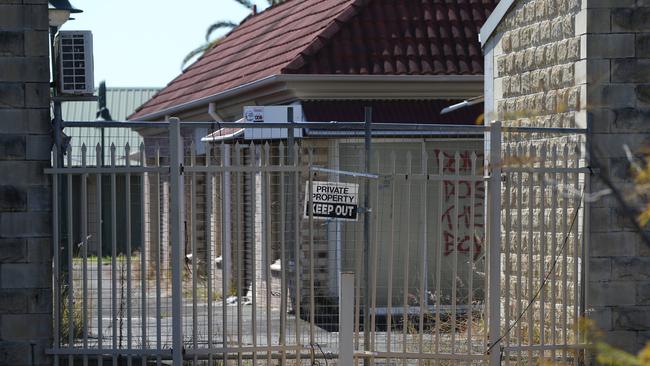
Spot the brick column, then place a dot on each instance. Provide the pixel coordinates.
(617, 50)
(25, 191)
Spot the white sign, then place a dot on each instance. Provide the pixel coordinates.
(254, 114)
(271, 114)
(332, 200)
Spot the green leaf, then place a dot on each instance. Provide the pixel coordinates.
(611, 356)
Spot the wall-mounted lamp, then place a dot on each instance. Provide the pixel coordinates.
(59, 12)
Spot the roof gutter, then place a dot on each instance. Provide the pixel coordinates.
(493, 21)
(269, 80)
(212, 98)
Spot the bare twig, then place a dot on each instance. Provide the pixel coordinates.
(628, 212)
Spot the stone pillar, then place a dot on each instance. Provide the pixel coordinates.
(25, 191)
(617, 53)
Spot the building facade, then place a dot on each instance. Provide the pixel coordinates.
(579, 63)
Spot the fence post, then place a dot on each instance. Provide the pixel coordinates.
(176, 234)
(366, 231)
(494, 217)
(346, 318)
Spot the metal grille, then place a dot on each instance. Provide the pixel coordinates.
(543, 247)
(194, 251)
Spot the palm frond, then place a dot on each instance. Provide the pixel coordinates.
(219, 25)
(198, 51)
(246, 3)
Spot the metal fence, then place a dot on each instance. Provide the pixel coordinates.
(465, 246)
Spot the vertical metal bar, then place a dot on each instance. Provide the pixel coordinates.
(143, 255)
(176, 231)
(127, 183)
(531, 240)
(374, 265)
(297, 243)
(84, 251)
(424, 305)
(209, 254)
(407, 260)
(266, 238)
(99, 233)
(508, 247)
(520, 249)
(565, 266)
(441, 243)
(366, 229)
(56, 250)
(470, 260)
(195, 317)
(576, 253)
(292, 217)
(543, 247)
(495, 242)
(70, 234)
(346, 321)
(358, 270)
(290, 137)
(393, 213)
(554, 244)
(283, 261)
(114, 252)
(253, 181)
(454, 270)
(70, 259)
(586, 232)
(240, 249)
(225, 245)
(158, 213)
(312, 292)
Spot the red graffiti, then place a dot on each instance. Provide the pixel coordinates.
(459, 219)
(462, 245)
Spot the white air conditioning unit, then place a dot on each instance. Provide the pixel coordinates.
(277, 114)
(74, 60)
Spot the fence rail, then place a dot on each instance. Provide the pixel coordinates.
(191, 251)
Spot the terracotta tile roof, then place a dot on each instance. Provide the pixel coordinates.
(377, 37)
(409, 37)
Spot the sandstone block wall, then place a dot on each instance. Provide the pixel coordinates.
(25, 191)
(538, 71)
(561, 63)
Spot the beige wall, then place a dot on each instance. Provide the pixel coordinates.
(537, 69)
(559, 63)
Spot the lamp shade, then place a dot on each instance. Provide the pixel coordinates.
(57, 17)
(59, 12)
(64, 5)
